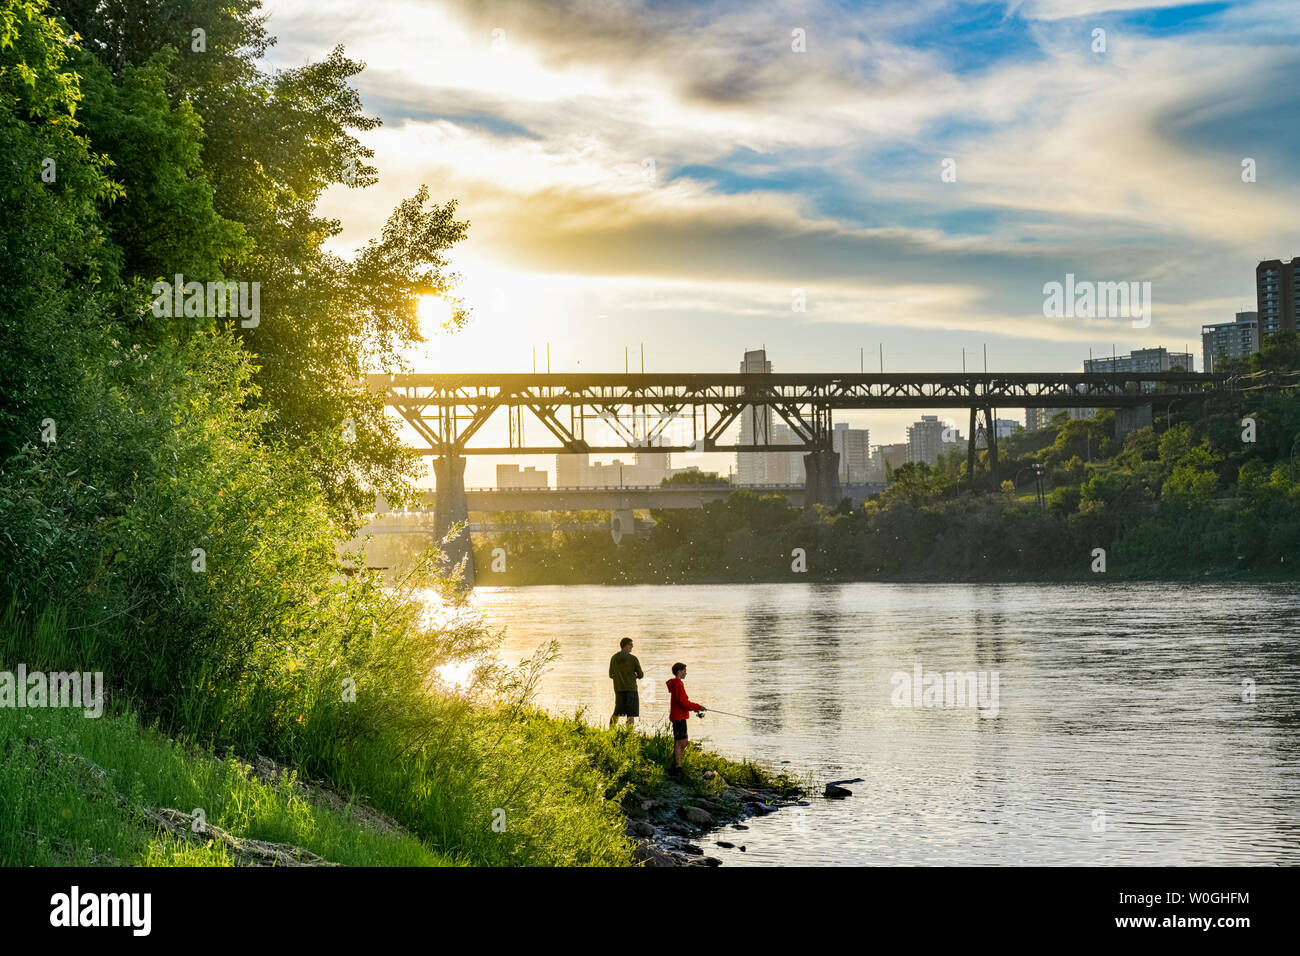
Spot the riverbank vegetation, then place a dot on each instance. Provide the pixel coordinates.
(174, 482)
(1210, 490)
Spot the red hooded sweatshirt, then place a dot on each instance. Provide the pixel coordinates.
(679, 705)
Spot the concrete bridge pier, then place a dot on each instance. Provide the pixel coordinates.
(1130, 420)
(451, 507)
(622, 522)
(821, 470)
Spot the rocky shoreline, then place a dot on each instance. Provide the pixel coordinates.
(666, 826)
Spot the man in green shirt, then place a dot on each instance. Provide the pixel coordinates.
(625, 671)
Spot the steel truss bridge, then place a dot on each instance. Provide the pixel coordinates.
(692, 412)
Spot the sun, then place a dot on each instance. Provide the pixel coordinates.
(435, 314)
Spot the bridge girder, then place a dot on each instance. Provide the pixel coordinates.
(448, 410)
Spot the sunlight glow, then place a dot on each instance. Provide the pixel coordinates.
(435, 313)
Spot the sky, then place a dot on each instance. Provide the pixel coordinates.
(684, 176)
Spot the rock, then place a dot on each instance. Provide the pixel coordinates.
(842, 782)
(681, 829)
(647, 854)
(641, 828)
(712, 861)
(742, 849)
(692, 849)
(714, 775)
(834, 792)
(648, 806)
(739, 826)
(725, 845)
(697, 816)
(251, 852)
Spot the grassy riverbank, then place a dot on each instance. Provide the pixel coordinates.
(110, 791)
(414, 774)
(91, 792)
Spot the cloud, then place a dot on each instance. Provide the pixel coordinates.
(1121, 166)
(1063, 9)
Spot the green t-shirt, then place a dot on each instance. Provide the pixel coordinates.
(624, 669)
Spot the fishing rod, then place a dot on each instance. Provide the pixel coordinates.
(726, 714)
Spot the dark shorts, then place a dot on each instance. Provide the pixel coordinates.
(679, 730)
(627, 703)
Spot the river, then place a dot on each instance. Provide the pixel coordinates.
(1118, 724)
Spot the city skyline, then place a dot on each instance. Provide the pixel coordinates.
(832, 184)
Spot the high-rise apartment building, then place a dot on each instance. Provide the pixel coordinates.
(926, 439)
(1277, 289)
(853, 445)
(1035, 418)
(784, 467)
(1223, 340)
(752, 468)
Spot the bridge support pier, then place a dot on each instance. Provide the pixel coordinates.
(821, 470)
(1130, 420)
(450, 507)
(622, 522)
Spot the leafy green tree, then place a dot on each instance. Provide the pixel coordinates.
(1193, 477)
(273, 143)
(51, 244)
(165, 222)
(914, 483)
(694, 478)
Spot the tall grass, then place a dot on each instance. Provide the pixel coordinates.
(474, 772)
(57, 809)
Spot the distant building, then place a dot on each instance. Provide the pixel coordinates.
(1277, 289)
(570, 470)
(784, 467)
(1236, 339)
(647, 467)
(1003, 427)
(853, 446)
(753, 467)
(758, 427)
(511, 476)
(926, 439)
(885, 458)
(651, 466)
(1139, 361)
(1035, 418)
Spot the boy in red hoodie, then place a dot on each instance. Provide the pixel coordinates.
(679, 709)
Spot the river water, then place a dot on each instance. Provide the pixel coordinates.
(1121, 724)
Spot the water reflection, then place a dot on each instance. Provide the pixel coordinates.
(1122, 735)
